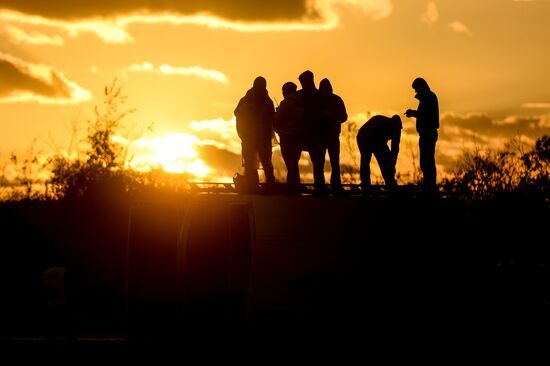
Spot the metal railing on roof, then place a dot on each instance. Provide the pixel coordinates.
(303, 189)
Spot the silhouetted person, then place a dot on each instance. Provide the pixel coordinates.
(313, 136)
(255, 116)
(372, 138)
(289, 124)
(427, 123)
(332, 115)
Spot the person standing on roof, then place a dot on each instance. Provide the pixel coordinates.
(255, 115)
(332, 115)
(427, 123)
(313, 137)
(289, 124)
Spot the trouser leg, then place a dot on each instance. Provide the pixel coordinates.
(334, 157)
(427, 160)
(387, 167)
(291, 151)
(317, 155)
(250, 162)
(264, 152)
(364, 170)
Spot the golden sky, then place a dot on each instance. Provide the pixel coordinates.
(184, 65)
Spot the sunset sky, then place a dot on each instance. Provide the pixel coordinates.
(184, 65)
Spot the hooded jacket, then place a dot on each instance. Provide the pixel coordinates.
(332, 109)
(289, 117)
(255, 114)
(427, 115)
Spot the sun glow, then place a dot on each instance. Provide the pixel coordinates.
(173, 152)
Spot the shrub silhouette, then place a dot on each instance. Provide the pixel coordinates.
(481, 175)
(101, 166)
(537, 164)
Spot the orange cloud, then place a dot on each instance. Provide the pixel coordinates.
(536, 105)
(110, 20)
(249, 10)
(172, 70)
(432, 14)
(496, 131)
(24, 81)
(218, 132)
(18, 35)
(460, 27)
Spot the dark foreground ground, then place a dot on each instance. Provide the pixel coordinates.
(173, 270)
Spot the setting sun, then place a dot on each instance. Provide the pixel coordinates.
(173, 152)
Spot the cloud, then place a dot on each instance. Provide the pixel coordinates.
(431, 15)
(186, 71)
(226, 163)
(459, 27)
(537, 105)
(458, 127)
(18, 35)
(109, 30)
(377, 9)
(218, 132)
(250, 10)
(110, 20)
(24, 81)
(465, 124)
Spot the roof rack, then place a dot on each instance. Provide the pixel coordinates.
(304, 189)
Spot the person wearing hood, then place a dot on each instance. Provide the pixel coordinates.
(254, 116)
(289, 124)
(313, 134)
(427, 123)
(332, 115)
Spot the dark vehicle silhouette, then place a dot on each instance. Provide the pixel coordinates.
(225, 264)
